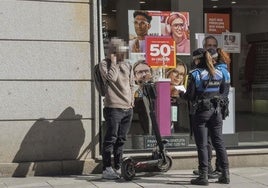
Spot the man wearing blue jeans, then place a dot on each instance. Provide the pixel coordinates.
(117, 73)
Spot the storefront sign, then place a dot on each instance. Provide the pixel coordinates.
(217, 23)
(160, 52)
(173, 141)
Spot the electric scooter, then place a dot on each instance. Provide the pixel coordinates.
(159, 161)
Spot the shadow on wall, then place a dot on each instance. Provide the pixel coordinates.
(58, 140)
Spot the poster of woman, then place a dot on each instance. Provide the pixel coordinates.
(158, 23)
(177, 26)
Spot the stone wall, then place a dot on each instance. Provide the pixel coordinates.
(46, 87)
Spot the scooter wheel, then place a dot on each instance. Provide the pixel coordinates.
(128, 169)
(165, 167)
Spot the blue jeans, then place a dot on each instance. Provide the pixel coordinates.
(118, 122)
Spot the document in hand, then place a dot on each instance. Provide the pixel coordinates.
(181, 88)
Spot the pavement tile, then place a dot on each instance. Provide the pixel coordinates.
(256, 177)
(34, 182)
(2, 185)
(70, 182)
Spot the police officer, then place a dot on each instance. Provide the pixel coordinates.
(221, 60)
(206, 85)
(222, 64)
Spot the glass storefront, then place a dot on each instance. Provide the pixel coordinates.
(241, 29)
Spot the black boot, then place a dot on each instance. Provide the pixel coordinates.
(202, 179)
(225, 177)
(196, 172)
(210, 170)
(214, 175)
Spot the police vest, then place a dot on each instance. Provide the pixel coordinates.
(223, 68)
(206, 84)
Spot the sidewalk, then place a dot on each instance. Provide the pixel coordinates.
(255, 177)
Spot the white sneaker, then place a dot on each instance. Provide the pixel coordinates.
(110, 174)
(118, 171)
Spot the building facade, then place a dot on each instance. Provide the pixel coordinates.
(50, 120)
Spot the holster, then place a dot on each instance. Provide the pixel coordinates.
(216, 104)
(224, 104)
(204, 105)
(192, 107)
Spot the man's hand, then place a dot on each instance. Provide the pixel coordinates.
(113, 58)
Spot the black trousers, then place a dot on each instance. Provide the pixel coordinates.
(118, 122)
(210, 147)
(204, 122)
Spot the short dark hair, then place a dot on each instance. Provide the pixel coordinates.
(143, 13)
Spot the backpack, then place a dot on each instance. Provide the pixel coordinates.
(100, 84)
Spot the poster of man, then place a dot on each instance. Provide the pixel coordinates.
(206, 41)
(141, 24)
(158, 23)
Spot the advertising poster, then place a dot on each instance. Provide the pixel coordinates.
(157, 24)
(217, 23)
(160, 52)
(201, 37)
(231, 42)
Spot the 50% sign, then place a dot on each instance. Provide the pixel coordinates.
(160, 52)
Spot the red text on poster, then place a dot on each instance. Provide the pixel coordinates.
(160, 51)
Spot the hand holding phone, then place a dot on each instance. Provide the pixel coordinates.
(113, 58)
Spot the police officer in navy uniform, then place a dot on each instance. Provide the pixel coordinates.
(205, 87)
(221, 60)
